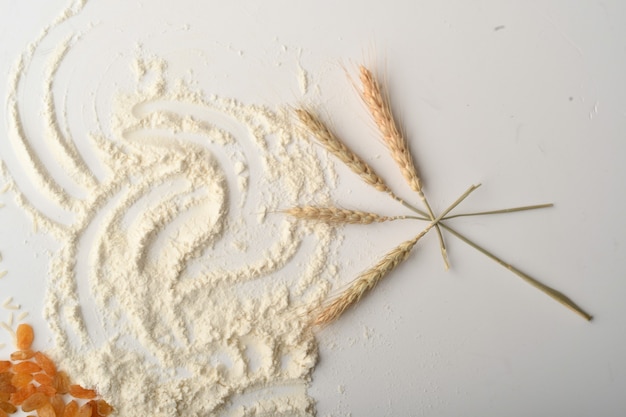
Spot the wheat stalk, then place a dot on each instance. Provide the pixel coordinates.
(370, 278)
(333, 145)
(380, 109)
(551, 292)
(501, 211)
(336, 215)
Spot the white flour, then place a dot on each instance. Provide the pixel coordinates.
(178, 288)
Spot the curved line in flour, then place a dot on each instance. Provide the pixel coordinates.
(38, 173)
(62, 143)
(277, 255)
(101, 239)
(211, 125)
(272, 259)
(166, 220)
(62, 302)
(65, 269)
(133, 197)
(31, 164)
(209, 177)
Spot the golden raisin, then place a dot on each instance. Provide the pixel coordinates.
(103, 408)
(58, 403)
(21, 379)
(5, 377)
(43, 379)
(8, 407)
(27, 367)
(7, 388)
(22, 355)
(5, 366)
(77, 391)
(24, 336)
(22, 394)
(71, 409)
(3, 413)
(34, 402)
(47, 390)
(47, 410)
(61, 382)
(84, 410)
(5, 382)
(46, 363)
(4, 396)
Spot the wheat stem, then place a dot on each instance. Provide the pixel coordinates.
(442, 243)
(501, 211)
(556, 295)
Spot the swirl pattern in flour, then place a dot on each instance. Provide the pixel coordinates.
(177, 288)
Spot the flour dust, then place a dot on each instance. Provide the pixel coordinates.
(178, 287)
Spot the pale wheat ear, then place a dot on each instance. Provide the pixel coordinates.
(364, 283)
(379, 107)
(337, 215)
(332, 144)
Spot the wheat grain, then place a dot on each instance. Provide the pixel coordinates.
(333, 145)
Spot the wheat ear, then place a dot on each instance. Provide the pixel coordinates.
(336, 215)
(380, 109)
(370, 278)
(365, 282)
(333, 145)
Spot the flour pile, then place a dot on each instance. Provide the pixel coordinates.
(178, 288)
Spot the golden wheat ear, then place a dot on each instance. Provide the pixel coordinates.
(379, 107)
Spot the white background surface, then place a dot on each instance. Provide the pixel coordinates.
(526, 97)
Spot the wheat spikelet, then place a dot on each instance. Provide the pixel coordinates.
(365, 282)
(333, 145)
(380, 110)
(336, 215)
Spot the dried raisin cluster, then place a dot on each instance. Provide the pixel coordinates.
(31, 381)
